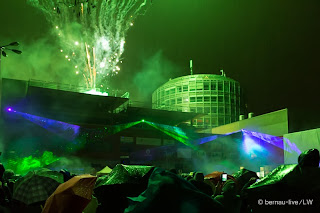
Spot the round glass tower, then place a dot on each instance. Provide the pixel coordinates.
(216, 96)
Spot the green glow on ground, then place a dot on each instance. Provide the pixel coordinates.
(23, 165)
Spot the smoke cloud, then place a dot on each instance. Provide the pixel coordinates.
(39, 60)
(73, 164)
(156, 70)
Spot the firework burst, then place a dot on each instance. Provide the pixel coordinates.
(92, 33)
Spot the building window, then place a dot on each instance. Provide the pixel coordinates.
(227, 99)
(207, 110)
(179, 100)
(226, 86)
(192, 99)
(206, 86)
(221, 110)
(200, 121)
(221, 121)
(199, 86)
(206, 99)
(214, 98)
(232, 87)
(179, 89)
(199, 99)
(199, 110)
(214, 109)
(213, 85)
(172, 101)
(220, 85)
(192, 86)
(220, 99)
(233, 101)
(192, 109)
(185, 88)
(214, 121)
(227, 110)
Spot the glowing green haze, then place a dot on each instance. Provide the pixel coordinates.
(23, 165)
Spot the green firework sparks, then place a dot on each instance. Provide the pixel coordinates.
(92, 33)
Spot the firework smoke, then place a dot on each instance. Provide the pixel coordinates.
(92, 33)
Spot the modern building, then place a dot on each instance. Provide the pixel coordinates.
(217, 96)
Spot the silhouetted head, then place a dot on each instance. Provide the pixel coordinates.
(309, 158)
(199, 176)
(7, 175)
(2, 169)
(229, 188)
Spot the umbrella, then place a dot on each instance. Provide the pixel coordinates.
(106, 170)
(287, 182)
(71, 196)
(125, 176)
(168, 192)
(36, 186)
(123, 181)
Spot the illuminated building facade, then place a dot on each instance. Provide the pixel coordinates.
(217, 96)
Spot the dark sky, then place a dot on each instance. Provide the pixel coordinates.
(271, 47)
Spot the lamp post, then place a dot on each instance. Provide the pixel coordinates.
(4, 54)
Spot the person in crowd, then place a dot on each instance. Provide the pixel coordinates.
(2, 170)
(244, 195)
(66, 175)
(8, 175)
(190, 176)
(198, 181)
(211, 184)
(8, 181)
(309, 158)
(229, 199)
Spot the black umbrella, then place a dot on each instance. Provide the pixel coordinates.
(167, 192)
(123, 181)
(125, 175)
(288, 184)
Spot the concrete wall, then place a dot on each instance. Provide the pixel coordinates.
(297, 142)
(274, 123)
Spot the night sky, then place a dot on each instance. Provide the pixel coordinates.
(271, 47)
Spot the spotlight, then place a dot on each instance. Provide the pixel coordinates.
(9, 109)
(142, 120)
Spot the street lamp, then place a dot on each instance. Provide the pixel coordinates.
(4, 54)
